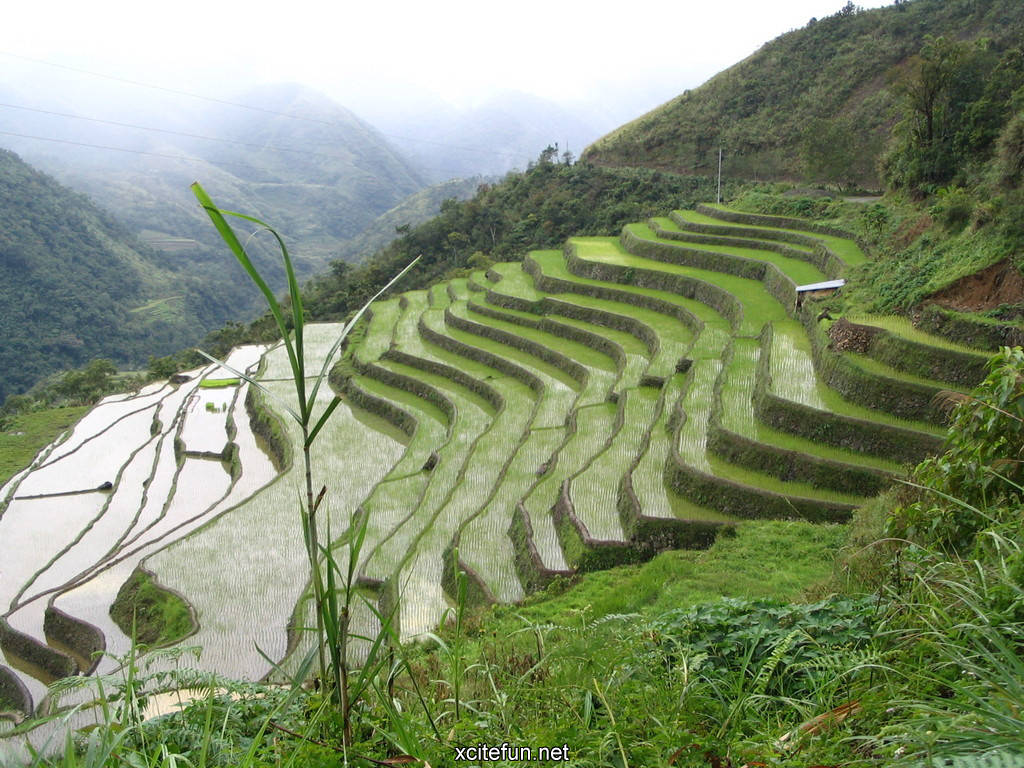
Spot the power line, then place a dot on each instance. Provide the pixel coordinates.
(163, 88)
(172, 133)
(191, 159)
(187, 158)
(184, 158)
(226, 102)
(134, 126)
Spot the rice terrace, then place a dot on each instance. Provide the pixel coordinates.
(577, 410)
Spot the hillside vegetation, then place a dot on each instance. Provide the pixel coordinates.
(75, 285)
(818, 102)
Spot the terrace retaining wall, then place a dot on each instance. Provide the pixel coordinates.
(573, 369)
(398, 417)
(814, 258)
(713, 296)
(904, 399)
(480, 388)
(891, 442)
(85, 641)
(734, 498)
(951, 366)
(605, 318)
(787, 222)
(651, 535)
(964, 329)
(550, 284)
(51, 662)
(794, 466)
(655, 534)
(582, 551)
(775, 281)
(14, 696)
(517, 303)
(533, 575)
(413, 386)
(267, 426)
(786, 464)
(821, 255)
(483, 356)
(477, 592)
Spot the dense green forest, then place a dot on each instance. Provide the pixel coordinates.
(75, 285)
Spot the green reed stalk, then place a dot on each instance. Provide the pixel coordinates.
(326, 599)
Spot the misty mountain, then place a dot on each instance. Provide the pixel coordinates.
(75, 285)
(293, 157)
(411, 212)
(508, 130)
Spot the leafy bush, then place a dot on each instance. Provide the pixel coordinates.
(953, 208)
(978, 482)
(797, 639)
(776, 205)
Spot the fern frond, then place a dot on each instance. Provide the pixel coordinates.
(773, 661)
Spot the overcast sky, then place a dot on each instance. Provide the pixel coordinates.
(363, 53)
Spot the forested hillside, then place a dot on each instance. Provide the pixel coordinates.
(820, 102)
(291, 153)
(75, 285)
(538, 208)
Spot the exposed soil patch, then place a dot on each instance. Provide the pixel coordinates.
(908, 231)
(851, 337)
(1001, 283)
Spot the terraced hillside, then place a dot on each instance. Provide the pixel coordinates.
(579, 409)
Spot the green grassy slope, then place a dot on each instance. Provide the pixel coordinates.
(809, 100)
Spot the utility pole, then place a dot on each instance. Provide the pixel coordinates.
(719, 201)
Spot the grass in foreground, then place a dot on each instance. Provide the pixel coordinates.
(798, 555)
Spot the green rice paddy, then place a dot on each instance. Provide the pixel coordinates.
(845, 248)
(483, 541)
(477, 408)
(594, 491)
(793, 378)
(218, 383)
(797, 270)
(902, 327)
(759, 306)
(730, 230)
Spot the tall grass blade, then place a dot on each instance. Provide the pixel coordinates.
(227, 233)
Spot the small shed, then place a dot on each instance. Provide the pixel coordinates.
(817, 289)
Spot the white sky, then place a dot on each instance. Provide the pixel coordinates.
(566, 50)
